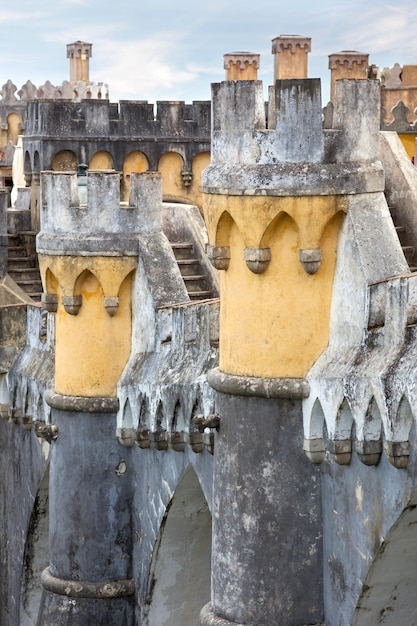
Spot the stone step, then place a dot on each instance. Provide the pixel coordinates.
(16, 262)
(199, 295)
(193, 278)
(24, 273)
(408, 253)
(188, 267)
(182, 250)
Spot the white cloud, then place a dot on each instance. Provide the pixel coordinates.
(142, 69)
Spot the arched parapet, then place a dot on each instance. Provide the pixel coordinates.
(167, 415)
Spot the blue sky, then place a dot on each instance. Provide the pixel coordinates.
(173, 50)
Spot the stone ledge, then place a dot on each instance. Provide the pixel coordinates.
(81, 589)
(208, 618)
(259, 387)
(82, 404)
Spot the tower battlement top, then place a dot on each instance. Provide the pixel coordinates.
(250, 156)
(101, 223)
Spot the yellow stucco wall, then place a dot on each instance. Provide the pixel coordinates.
(173, 187)
(274, 324)
(101, 160)
(409, 142)
(92, 347)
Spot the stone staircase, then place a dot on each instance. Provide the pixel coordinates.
(409, 251)
(191, 271)
(22, 264)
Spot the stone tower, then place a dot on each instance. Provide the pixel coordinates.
(275, 202)
(88, 255)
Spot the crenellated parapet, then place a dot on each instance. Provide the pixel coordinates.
(275, 200)
(128, 119)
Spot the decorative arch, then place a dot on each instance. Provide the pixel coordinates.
(369, 435)
(171, 165)
(388, 594)
(36, 556)
(403, 420)
(179, 578)
(276, 227)
(87, 281)
(135, 162)
(51, 282)
(64, 161)
(317, 421)
(344, 421)
(27, 167)
(223, 229)
(372, 425)
(101, 160)
(14, 127)
(178, 420)
(127, 415)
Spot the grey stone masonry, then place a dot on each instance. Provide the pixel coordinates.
(247, 158)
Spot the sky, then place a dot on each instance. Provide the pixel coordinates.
(173, 49)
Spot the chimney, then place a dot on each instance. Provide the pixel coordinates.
(79, 54)
(347, 64)
(291, 56)
(241, 65)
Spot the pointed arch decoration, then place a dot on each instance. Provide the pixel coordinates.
(368, 443)
(314, 443)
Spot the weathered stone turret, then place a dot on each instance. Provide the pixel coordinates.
(87, 255)
(275, 201)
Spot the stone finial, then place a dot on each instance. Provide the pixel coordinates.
(291, 56)
(8, 92)
(79, 54)
(241, 65)
(347, 64)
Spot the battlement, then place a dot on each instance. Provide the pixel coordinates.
(279, 152)
(102, 224)
(129, 119)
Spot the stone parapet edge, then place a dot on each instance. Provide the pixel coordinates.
(81, 589)
(82, 404)
(259, 387)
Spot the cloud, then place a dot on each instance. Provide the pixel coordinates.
(143, 69)
(19, 17)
